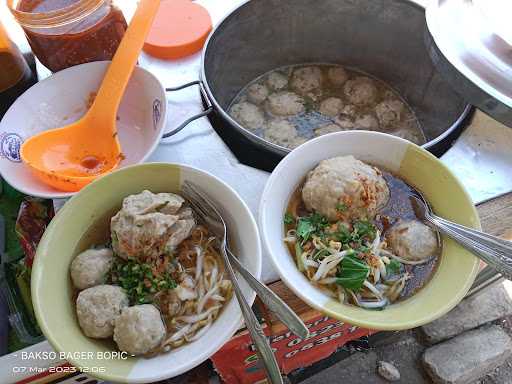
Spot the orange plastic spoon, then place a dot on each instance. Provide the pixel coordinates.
(70, 157)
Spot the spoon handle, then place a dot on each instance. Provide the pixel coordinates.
(265, 352)
(120, 70)
(494, 251)
(273, 302)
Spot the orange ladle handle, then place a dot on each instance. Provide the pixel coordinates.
(104, 109)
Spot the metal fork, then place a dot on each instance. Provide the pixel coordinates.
(211, 217)
(496, 252)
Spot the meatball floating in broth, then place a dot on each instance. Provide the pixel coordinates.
(314, 96)
(353, 233)
(91, 267)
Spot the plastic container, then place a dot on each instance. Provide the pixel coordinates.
(63, 33)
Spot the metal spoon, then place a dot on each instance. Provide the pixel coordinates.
(212, 218)
(496, 252)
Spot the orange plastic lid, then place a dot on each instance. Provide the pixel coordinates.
(180, 29)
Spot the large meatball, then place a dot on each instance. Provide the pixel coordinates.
(257, 93)
(247, 115)
(337, 76)
(149, 225)
(97, 308)
(283, 133)
(91, 267)
(285, 104)
(331, 106)
(139, 329)
(412, 241)
(276, 81)
(361, 91)
(346, 181)
(306, 79)
(389, 112)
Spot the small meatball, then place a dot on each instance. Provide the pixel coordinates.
(327, 128)
(361, 91)
(98, 307)
(348, 181)
(331, 106)
(337, 76)
(285, 104)
(389, 112)
(412, 241)
(247, 115)
(91, 267)
(410, 134)
(366, 122)
(281, 132)
(257, 93)
(344, 122)
(306, 79)
(276, 81)
(139, 329)
(349, 110)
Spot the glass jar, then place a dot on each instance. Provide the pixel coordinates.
(15, 74)
(63, 33)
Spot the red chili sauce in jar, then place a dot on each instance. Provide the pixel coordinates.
(91, 33)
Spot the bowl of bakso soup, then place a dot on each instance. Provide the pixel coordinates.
(129, 284)
(337, 220)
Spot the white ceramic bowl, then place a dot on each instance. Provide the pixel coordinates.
(456, 268)
(62, 99)
(84, 221)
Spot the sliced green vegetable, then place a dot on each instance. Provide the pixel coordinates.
(288, 218)
(352, 273)
(393, 267)
(309, 225)
(340, 207)
(298, 257)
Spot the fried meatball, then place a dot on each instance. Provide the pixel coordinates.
(247, 115)
(331, 106)
(366, 122)
(348, 181)
(149, 225)
(257, 93)
(361, 91)
(91, 267)
(389, 112)
(306, 79)
(283, 133)
(276, 81)
(97, 308)
(139, 329)
(327, 128)
(412, 241)
(285, 104)
(337, 76)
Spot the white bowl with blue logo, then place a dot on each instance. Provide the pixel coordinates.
(64, 98)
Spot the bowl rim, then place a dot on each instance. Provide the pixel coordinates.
(37, 278)
(289, 280)
(54, 77)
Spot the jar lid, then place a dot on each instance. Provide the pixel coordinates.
(180, 29)
(474, 39)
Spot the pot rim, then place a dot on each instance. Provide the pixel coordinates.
(277, 149)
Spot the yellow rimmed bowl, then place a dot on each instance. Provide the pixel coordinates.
(457, 267)
(83, 222)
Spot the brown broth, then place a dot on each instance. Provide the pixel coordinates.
(398, 208)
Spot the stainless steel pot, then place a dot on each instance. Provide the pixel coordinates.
(382, 37)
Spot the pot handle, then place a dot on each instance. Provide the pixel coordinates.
(208, 110)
